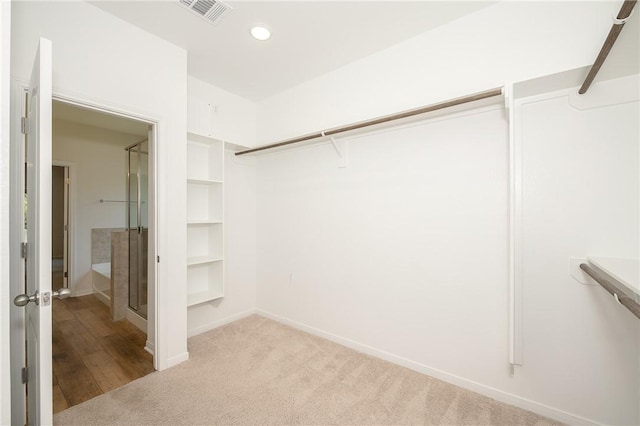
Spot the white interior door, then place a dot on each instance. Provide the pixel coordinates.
(38, 263)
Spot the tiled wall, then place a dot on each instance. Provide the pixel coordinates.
(101, 244)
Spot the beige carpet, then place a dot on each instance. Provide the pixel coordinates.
(257, 371)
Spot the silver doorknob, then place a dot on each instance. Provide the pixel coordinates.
(24, 299)
(63, 293)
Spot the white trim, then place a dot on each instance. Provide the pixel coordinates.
(149, 347)
(99, 106)
(88, 292)
(175, 360)
(220, 323)
(101, 297)
(515, 248)
(516, 243)
(490, 392)
(137, 320)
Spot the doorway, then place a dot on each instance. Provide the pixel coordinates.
(59, 227)
(100, 337)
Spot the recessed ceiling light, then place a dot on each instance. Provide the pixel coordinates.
(260, 33)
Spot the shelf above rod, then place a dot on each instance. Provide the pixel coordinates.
(380, 120)
(609, 285)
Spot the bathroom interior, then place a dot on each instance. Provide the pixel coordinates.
(108, 207)
(102, 327)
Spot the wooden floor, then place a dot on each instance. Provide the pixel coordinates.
(91, 353)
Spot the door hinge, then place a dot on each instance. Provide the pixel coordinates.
(66, 275)
(25, 375)
(67, 181)
(24, 249)
(158, 259)
(24, 125)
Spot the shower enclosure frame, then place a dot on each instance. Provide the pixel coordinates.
(141, 264)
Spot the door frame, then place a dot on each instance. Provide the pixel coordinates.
(154, 343)
(71, 213)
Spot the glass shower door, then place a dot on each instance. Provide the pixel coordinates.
(137, 225)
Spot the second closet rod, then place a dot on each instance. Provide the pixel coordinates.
(608, 285)
(405, 114)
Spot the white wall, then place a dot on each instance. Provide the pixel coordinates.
(99, 58)
(580, 197)
(240, 250)
(99, 161)
(389, 254)
(233, 119)
(5, 189)
(404, 254)
(510, 41)
(404, 251)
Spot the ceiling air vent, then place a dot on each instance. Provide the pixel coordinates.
(211, 10)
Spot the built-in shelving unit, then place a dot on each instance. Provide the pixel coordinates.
(205, 219)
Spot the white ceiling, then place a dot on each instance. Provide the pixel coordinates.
(309, 38)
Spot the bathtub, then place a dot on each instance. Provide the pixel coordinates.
(102, 269)
(101, 280)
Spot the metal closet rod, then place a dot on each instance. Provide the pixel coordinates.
(608, 285)
(380, 120)
(623, 15)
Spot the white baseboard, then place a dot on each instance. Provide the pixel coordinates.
(137, 320)
(104, 299)
(219, 323)
(490, 392)
(80, 293)
(149, 347)
(175, 360)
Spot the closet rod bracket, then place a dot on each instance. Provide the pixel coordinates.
(340, 146)
(621, 21)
